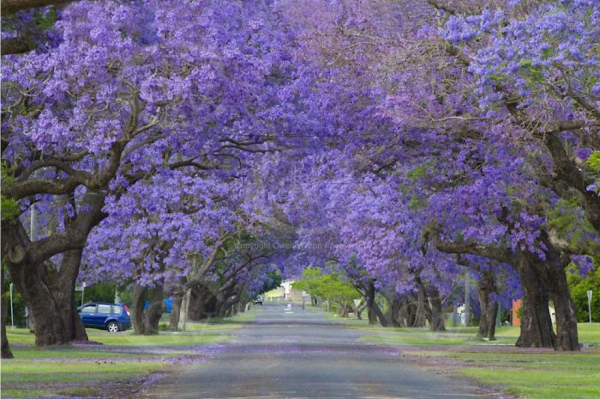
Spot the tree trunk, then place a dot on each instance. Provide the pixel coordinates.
(63, 290)
(437, 321)
(6, 352)
(184, 311)
(411, 312)
(176, 310)
(486, 287)
(49, 295)
(566, 314)
(403, 312)
(32, 283)
(140, 293)
(155, 310)
(420, 319)
(47, 290)
(373, 311)
(536, 324)
(540, 280)
(359, 311)
(394, 312)
(202, 303)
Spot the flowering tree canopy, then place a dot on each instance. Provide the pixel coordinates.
(198, 148)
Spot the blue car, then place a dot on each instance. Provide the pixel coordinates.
(105, 316)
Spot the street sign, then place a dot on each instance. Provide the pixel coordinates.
(357, 302)
(589, 293)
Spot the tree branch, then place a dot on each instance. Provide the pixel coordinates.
(13, 6)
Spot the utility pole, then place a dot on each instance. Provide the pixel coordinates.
(33, 236)
(12, 314)
(589, 295)
(82, 292)
(467, 298)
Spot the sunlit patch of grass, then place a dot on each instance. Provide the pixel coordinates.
(20, 336)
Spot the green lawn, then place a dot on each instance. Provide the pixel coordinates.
(457, 335)
(536, 374)
(68, 371)
(83, 370)
(203, 333)
(424, 337)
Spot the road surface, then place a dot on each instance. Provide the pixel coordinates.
(302, 354)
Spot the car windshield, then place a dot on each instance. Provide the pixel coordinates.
(89, 309)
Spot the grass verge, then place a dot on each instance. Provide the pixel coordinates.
(529, 373)
(118, 366)
(535, 374)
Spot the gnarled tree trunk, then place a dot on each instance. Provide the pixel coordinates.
(437, 321)
(394, 312)
(63, 291)
(541, 279)
(373, 311)
(175, 311)
(202, 303)
(6, 352)
(49, 326)
(489, 307)
(421, 307)
(155, 310)
(567, 338)
(48, 290)
(140, 294)
(536, 324)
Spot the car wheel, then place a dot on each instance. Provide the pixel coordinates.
(113, 327)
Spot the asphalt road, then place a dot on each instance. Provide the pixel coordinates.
(301, 354)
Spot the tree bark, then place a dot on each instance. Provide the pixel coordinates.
(486, 287)
(541, 279)
(359, 311)
(437, 321)
(140, 293)
(46, 289)
(49, 326)
(64, 293)
(536, 324)
(176, 310)
(567, 338)
(184, 312)
(202, 303)
(155, 310)
(13, 6)
(6, 352)
(373, 311)
(420, 317)
(394, 312)
(411, 313)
